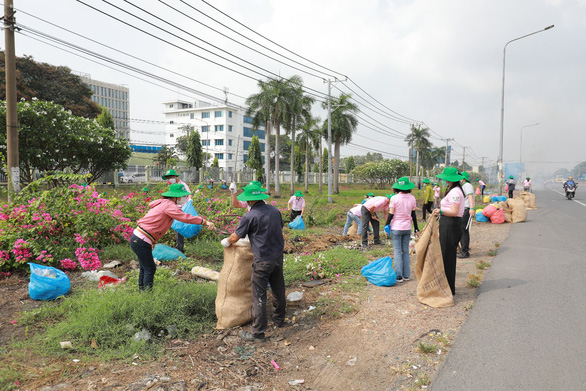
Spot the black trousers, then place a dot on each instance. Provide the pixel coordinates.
(511, 193)
(426, 208)
(262, 274)
(180, 242)
(450, 233)
(365, 219)
(294, 214)
(465, 241)
(144, 253)
(482, 191)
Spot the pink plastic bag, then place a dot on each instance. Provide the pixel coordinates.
(506, 187)
(478, 190)
(489, 211)
(498, 217)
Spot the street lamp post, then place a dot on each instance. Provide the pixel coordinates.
(500, 160)
(521, 168)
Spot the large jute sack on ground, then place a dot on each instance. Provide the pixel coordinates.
(234, 298)
(353, 230)
(525, 197)
(507, 211)
(532, 204)
(519, 211)
(433, 288)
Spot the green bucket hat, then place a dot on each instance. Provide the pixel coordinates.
(527, 178)
(371, 194)
(145, 189)
(169, 173)
(389, 196)
(511, 177)
(255, 183)
(298, 193)
(176, 190)
(450, 174)
(465, 175)
(253, 193)
(426, 180)
(403, 183)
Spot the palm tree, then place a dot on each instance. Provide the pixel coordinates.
(310, 133)
(419, 139)
(260, 107)
(344, 123)
(299, 112)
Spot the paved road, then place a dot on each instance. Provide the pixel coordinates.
(527, 329)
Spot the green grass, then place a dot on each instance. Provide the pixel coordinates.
(111, 317)
(121, 252)
(474, 280)
(492, 253)
(9, 375)
(209, 250)
(481, 265)
(426, 347)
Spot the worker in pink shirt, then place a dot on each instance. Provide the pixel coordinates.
(482, 186)
(154, 225)
(296, 205)
(368, 215)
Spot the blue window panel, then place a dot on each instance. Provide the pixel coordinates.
(229, 114)
(191, 115)
(230, 142)
(219, 128)
(205, 142)
(245, 157)
(247, 132)
(205, 114)
(246, 145)
(217, 114)
(229, 128)
(220, 156)
(262, 147)
(229, 156)
(205, 128)
(247, 119)
(260, 134)
(219, 142)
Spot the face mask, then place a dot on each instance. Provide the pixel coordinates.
(172, 180)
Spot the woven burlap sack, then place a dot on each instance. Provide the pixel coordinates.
(519, 210)
(508, 211)
(353, 230)
(525, 197)
(432, 288)
(234, 298)
(532, 204)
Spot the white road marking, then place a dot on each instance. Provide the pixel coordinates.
(564, 194)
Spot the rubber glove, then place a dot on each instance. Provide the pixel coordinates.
(225, 242)
(233, 188)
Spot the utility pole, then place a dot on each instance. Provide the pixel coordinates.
(329, 141)
(411, 154)
(13, 168)
(447, 140)
(463, 157)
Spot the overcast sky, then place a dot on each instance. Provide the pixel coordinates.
(439, 63)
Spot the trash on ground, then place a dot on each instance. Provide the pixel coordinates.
(296, 382)
(295, 296)
(313, 283)
(107, 280)
(143, 335)
(112, 265)
(352, 361)
(275, 364)
(66, 345)
(206, 273)
(95, 275)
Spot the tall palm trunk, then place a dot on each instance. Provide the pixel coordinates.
(277, 155)
(268, 157)
(293, 157)
(321, 168)
(306, 164)
(336, 165)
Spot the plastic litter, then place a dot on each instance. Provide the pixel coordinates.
(96, 275)
(380, 272)
(295, 296)
(187, 230)
(352, 361)
(47, 283)
(296, 382)
(66, 345)
(275, 364)
(297, 223)
(107, 280)
(166, 253)
(143, 335)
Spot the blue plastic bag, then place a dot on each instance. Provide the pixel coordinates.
(481, 218)
(187, 230)
(47, 283)
(224, 186)
(498, 198)
(380, 272)
(388, 230)
(297, 223)
(166, 253)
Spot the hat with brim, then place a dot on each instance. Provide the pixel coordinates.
(370, 195)
(511, 177)
(169, 173)
(253, 193)
(426, 180)
(389, 196)
(465, 175)
(176, 190)
(527, 178)
(298, 193)
(403, 183)
(450, 174)
(256, 183)
(145, 189)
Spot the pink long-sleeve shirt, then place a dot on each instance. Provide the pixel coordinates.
(160, 217)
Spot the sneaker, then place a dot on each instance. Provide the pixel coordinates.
(247, 336)
(406, 278)
(399, 279)
(464, 255)
(365, 247)
(378, 242)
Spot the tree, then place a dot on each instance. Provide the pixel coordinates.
(106, 120)
(194, 151)
(350, 164)
(273, 102)
(255, 157)
(310, 134)
(166, 156)
(52, 84)
(382, 173)
(298, 162)
(216, 163)
(182, 144)
(53, 140)
(324, 161)
(344, 123)
(418, 140)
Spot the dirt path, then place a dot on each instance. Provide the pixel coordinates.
(375, 348)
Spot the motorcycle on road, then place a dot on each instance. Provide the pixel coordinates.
(570, 191)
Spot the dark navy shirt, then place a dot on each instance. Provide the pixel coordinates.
(264, 226)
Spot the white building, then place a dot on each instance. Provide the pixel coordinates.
(225, 131)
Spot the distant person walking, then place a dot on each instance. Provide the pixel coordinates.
(428, 198)
(401, 214)
(450, 224)
(482, 186)
(436, 195)
(468, 190)
(368, 215)
(511, 185)
(527, 185)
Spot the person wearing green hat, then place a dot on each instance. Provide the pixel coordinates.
(527, 185)
(367, 197)
(264, 226)
(234, 189)
(427, 198)
(154, 225)
(401, 214)
(450, 211)
(368, 215)
(172, 177)
(469, 212)
(511, 185)
(436, 194)
(296, 205)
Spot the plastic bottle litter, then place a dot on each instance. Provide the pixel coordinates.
(296, 382)
(143, 335)
(295, 296)
(352, 361)
(49, 273)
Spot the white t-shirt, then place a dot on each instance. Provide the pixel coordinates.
(468, 189)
